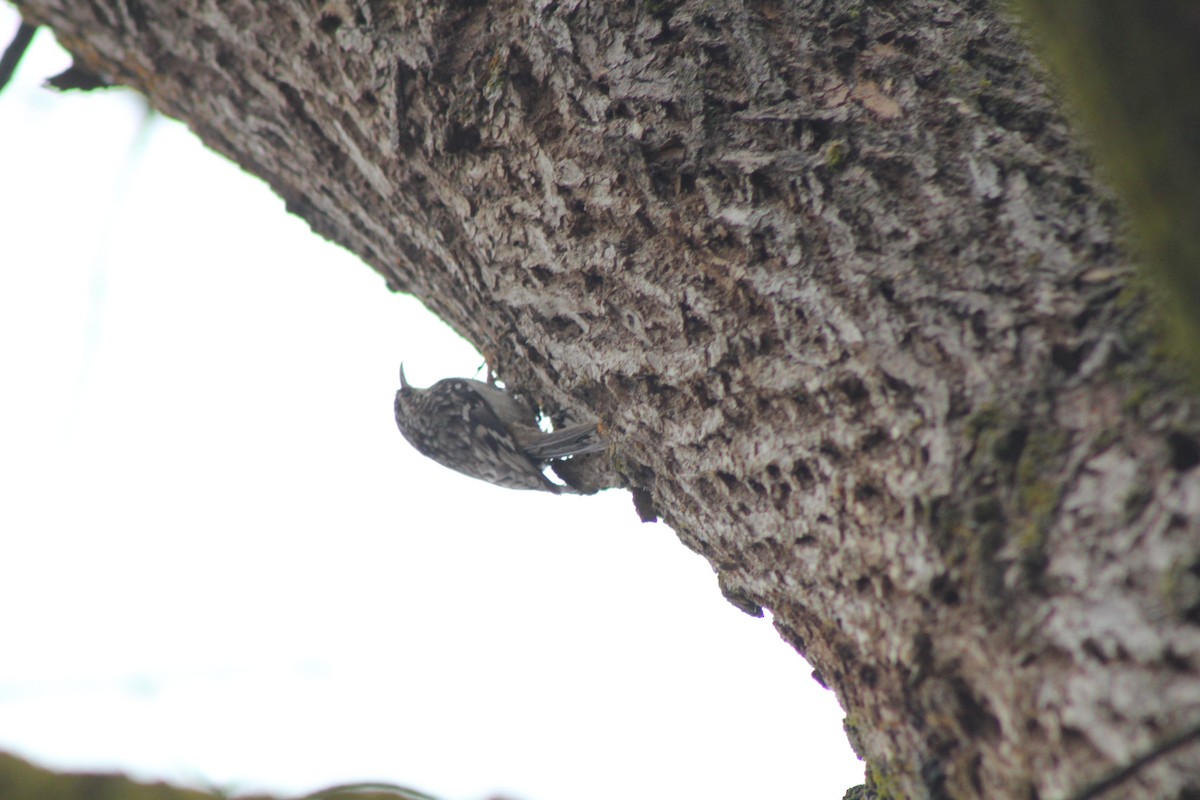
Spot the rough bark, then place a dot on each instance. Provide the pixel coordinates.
(842, 288)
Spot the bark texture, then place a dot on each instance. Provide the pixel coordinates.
(843, 290)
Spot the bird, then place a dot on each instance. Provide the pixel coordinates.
(483, 431)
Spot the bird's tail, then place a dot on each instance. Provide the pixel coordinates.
(574, 440)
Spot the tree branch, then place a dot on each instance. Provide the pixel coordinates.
(842, 288)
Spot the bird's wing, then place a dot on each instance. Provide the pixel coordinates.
(574, 440)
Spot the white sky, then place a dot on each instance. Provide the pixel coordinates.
(221, 565)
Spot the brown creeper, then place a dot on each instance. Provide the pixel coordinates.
(482, 431)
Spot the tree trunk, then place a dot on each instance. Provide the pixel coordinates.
(841, 287)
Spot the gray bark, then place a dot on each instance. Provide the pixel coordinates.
(843, 290)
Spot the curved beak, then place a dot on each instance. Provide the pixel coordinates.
(403, 383)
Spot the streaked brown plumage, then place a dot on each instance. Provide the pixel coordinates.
(482, 431)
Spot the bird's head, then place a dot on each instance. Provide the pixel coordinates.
(403, 398)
